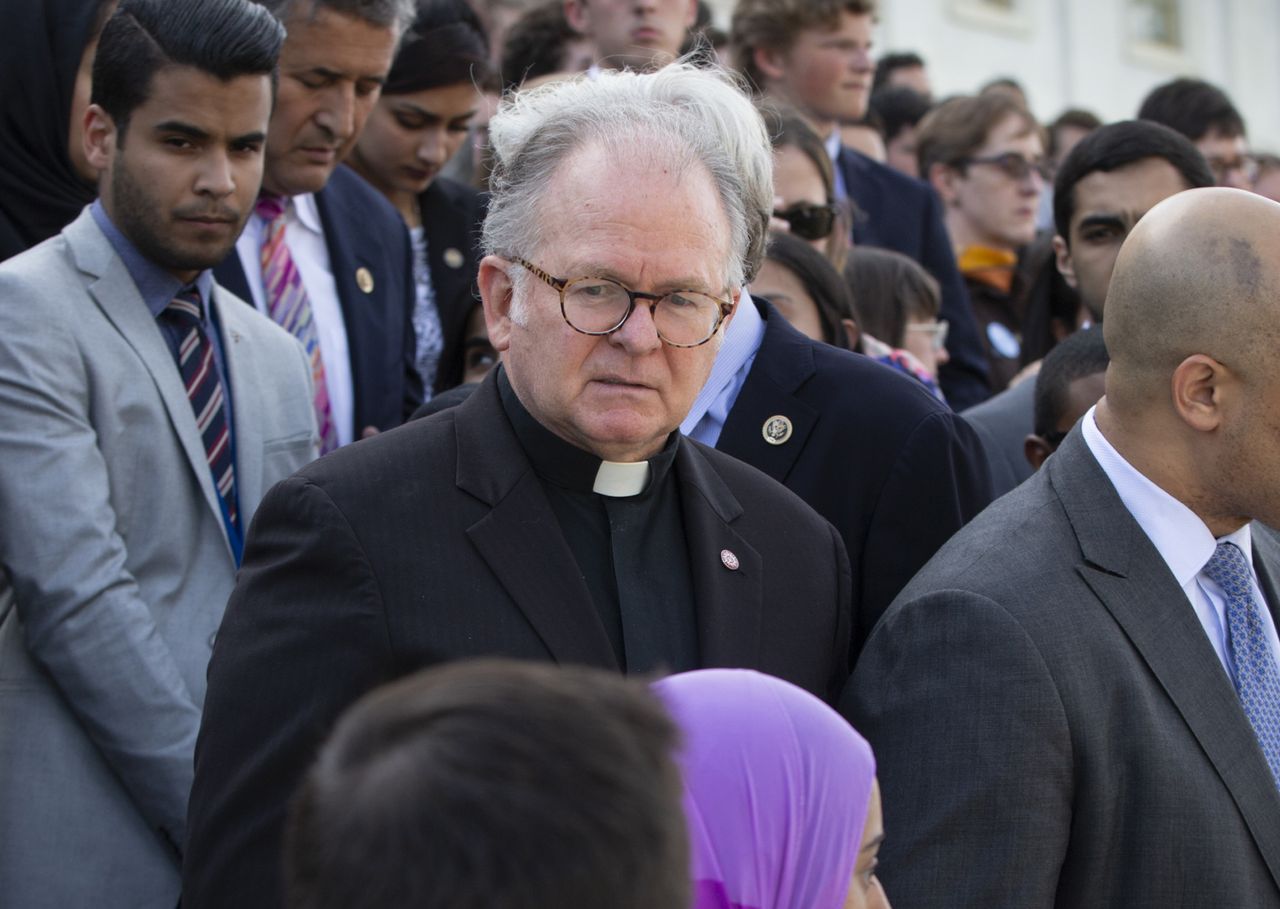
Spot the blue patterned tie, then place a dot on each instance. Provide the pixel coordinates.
(1257, 678)
(204, 390)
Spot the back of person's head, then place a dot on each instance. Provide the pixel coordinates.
(446, 46)
(223, 38)
(694, 117)
(1008, 87)
(536, 43)
(889, 63)
(1073, 118)
(959, 126)
(1078, 356)
(888, 290)
(1194, 108)
(1118, 145)
(393, 14)
(493, 785)
(898, 108)
(825, 286)
(774, 25)
(777, 789)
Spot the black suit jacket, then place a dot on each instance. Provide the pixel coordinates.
(904, 215)
(363, 231)
(452, 215)
(436, 542)
(871, 451)
(1053, 728)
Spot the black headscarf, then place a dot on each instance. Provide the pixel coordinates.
(41, 43)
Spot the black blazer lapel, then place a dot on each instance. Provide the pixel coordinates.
(1126, 572)
(783, 363)
(520, 539)
(229, 274)
(726, 570)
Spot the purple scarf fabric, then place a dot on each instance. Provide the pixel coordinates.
(776, 790)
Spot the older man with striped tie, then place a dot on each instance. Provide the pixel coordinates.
(144, 411)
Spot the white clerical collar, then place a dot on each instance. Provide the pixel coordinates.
(619, 479)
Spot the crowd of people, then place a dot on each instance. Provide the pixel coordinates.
(503, 453)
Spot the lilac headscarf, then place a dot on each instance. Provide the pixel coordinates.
(777, 786)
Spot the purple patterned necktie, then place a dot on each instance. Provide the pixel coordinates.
(204, 390)
(288, 306)
(1257, 677)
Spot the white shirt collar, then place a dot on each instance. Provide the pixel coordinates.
(621, 478)
(1182, 539)
(832, 142)
(308, 213)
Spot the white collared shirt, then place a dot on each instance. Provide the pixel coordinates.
(1183, 541)
(834, 144)
(742, 338)
(305, 235)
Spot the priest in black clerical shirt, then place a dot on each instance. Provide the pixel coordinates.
(557, 514)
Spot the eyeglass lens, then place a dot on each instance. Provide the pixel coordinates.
(599, 306)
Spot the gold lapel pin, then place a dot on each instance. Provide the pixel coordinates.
(364, 279)
(729, 560)
(453, 258)
(776, 430)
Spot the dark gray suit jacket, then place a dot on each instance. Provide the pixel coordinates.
(436, 542)
(1051, 724)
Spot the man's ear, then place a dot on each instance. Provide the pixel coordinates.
(1066, 267)
(1199, 386)
(100, 138)
(578, 16)
(943, 179)
(496, 294)
(770, 62)
(1036, 450)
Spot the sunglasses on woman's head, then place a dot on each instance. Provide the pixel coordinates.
(807, 221)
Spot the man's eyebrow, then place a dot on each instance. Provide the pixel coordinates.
(254, 138)
(1105, 219)
(184, 129)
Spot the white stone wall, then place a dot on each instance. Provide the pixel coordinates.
(1078, 53)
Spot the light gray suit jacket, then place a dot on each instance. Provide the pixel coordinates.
(116, 565)
(1052, 726)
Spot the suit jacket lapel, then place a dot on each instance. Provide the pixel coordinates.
(783, 363)
(1126, 572)
(117, 296)
(729, 600)
(247, 372)
(520, 539)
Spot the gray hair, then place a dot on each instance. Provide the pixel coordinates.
(691, 115)
(396, 14)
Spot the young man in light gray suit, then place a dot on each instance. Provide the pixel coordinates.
(1076, 703)
(143, 413)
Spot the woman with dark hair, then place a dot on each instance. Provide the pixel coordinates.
(807, 290)
(897, 303)
(45, 68)
(804, 184)
(419, 122)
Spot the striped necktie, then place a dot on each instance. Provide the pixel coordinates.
(204, 390)
(288, 306)
(1257, 678)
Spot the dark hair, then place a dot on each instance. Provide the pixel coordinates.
(821, 281)
(1051, 305)
(775, 25)
(224, 38)
(1117, 145)
(394, 14)
(898, 107)
(887, 64)
(888, 289)
(1081, 354)
(788, 128)
(445, 46)
(484, 784)
(958, 127)
(1193, 107)
(1075, 118)
(535, 44)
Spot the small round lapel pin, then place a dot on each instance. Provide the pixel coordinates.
(729, 560)
(364, 279)
(453, 258)
(776, 430)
